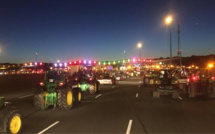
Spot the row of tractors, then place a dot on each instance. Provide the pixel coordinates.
(177, 82)
(58, 89)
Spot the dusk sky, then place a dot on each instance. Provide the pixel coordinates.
(102, 29)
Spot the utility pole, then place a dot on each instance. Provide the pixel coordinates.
(179, 45)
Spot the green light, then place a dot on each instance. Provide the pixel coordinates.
(123, 61)
(99, 62)
(114, 62)
(104, 63)
(128, 60)
(109, 62)
(118, 61)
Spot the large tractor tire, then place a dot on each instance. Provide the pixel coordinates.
(156, 94)
(77, 95)
(192, 90)
(93, 89)
(211, 91)
(65, 99)
(39, 102)
(11, 120)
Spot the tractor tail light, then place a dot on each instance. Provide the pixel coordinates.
(176, 82)
(41, 83)
(194, 78)
(76, 79)
(90, 79)
(213, 78)
(61, 84)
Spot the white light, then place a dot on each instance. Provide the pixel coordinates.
(60, 64)
(160, 63)
(90, 61)
(65, 64)
(55, 64)
(85, 61)
(35, 63)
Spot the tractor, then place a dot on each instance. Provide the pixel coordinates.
(10, 118)
(166, 84)
(55, 90)
(201, 83)
(85, 82)
(149, 78)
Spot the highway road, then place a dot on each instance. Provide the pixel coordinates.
(127, 107)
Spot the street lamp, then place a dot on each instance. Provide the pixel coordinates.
(36, 56)
(139, 45)
(169, 22)
(125, 54)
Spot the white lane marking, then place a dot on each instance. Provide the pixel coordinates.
(113, 86)
(25, 96)
(136, 95)
(180, 98)
(49, 127)
(98, 96)
(129, 127)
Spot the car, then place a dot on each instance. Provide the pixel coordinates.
(106, 79)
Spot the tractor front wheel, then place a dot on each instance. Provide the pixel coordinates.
(65, 99)
(11, 120)
(77, 95)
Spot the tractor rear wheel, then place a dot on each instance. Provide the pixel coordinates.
(12, 120)
(77, 95)
(98, 87)
(39, 101)
(211, 90)
(156, 94)
(192, 90)
(65, 99)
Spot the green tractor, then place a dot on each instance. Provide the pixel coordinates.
(85, 82)
(166, 84)
(201, 83)
(56, 90)
(149, 78)
(10, 118)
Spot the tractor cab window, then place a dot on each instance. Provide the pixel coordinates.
(53, 76)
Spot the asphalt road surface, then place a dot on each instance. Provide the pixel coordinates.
(127, 107)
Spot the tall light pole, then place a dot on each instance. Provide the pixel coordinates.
(36, 56)
(169, 22)
(125, 54)
(139, 45)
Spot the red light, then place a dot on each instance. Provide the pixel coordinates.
(156, 82)
(75, 62)
(61, 84)
(176, 82)
(76, 79)
(94, 62)
(194, 78)
(144, 60)
(70, 63)
(79, 61)
(41, 83)
(150, 60)
(90, 79)
(41, 63)
(138, 59)
(212, 78)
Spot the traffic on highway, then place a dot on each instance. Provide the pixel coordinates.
(107, 66)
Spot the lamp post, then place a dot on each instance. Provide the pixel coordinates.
(169, 22)
(36, 56)
(139, 45)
